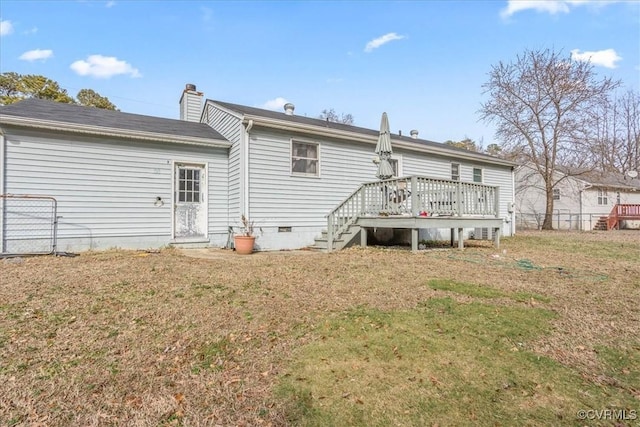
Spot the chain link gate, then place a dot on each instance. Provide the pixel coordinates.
(28, 225)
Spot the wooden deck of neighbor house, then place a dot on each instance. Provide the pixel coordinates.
(620, 212)
(414, 203)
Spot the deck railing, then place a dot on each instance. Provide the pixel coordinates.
(412, 196)
(621, 212)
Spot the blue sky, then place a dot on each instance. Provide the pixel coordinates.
(423, 62)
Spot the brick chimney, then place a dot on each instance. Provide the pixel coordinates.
(190, 104)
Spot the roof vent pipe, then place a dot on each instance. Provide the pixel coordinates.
(288, 109)
(414, 134)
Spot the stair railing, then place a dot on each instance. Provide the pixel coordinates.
(622, 211)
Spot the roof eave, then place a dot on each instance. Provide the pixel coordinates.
(371, 139)
(108, 131)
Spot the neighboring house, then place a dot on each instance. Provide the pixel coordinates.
(581, 201)
(132, 181)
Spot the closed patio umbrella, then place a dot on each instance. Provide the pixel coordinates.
(384, 150)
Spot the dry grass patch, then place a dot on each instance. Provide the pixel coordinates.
(131, 338)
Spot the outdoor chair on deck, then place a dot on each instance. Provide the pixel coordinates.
(399, 198)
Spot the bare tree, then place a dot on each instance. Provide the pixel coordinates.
(331, 116)
(616, 132)
(541, 104)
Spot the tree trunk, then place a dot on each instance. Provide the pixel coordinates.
(548, 214)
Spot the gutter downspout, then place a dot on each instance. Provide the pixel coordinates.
(513, 201)
(245, 161)
(3, 171)
(586, 187)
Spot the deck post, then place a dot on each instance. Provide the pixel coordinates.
(363, 237)
(414, 196)
(496, 237)
(452, 237)
(460, 240)
(414, 239)
(459, 198)
(496, 202)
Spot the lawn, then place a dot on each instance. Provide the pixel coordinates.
(543, 331)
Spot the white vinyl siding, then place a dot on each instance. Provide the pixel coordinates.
(229, 126)
(107, 189)
(279, 198)
(425, 165)
(191, 107)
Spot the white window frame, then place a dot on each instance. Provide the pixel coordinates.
(603, 197)
(306, 142)
(455, 177)
(473, 175)
(398, 160)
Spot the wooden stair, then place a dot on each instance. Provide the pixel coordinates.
(618, 213)
(344, 240)
(601, 224)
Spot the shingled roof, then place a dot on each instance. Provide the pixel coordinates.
(48, 111)
(320, 123)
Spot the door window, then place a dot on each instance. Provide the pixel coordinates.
(189, 185)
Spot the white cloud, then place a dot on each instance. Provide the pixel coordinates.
(275, 104)
(207, 14)
(36, 54)
(376, 43)
(103, 67)
(110, 4)
(549, 6)
(605, 58)
(6, 28)
(31, 31)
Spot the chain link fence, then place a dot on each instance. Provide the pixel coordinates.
(565, 220)
(28, 225)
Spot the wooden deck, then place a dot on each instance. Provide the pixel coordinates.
(416, 203)
(420, 222)
(622, 212)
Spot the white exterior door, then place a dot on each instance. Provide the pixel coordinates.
(190, 204)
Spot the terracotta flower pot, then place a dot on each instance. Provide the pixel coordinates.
(244, 244)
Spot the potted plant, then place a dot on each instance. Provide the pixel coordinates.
(244, 240)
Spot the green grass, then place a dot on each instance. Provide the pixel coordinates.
(627, 251)
(622, 365)
(478, 291)
(211, 356)
(442, 363)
